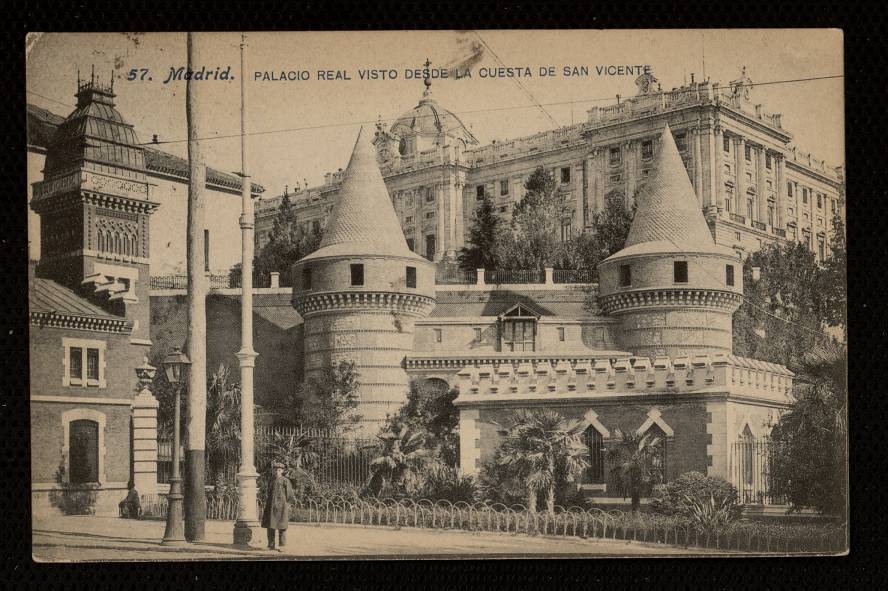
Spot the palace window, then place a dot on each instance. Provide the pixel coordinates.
(749, 178)
(479, 192)
(819, 200)
(306, 278)
(771, 215)
(429, 215)
(680, 271)
(408, 219)
(519, 329)
(616, 178)
(749, 209)
(561, 333)
(647, 150)
(430, 197)
(83, 451)
(565, 174)
(411, 277)
(768, 161)
(747, 152)
(737, 236)
(805, 196)
(84, 363)
(729, 275)
(789, 189)
(615, 157)
(357, 274)
(625, 275)
(504, 187)
(833, 205)
(681, 142)
(821, 249)
(595, 443)
(726, 144)
(503, 208)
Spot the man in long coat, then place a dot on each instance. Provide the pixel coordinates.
(277, 506)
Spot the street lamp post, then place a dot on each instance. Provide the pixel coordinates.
(175, 365)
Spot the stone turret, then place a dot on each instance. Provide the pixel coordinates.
(673, 287)
(362, 290)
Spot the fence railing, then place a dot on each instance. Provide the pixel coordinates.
(759, 225)
(228, 281)
(574, 276)
(514, 276)
(735, 217)
(456, 277)
(751, 463)
(742, 536)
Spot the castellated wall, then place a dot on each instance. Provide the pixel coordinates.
(377, 342)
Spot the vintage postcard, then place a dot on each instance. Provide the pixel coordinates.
(437, 294)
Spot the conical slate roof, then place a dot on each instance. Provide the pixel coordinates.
(363, 221)
(668, 212)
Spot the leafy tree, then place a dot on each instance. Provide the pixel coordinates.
(546, 450)
(782, 314)
(402, 460)
(330, 400)
(431, 410)
(636, 464)
(809, 459)
(834, 277)
(535, 236)
(481, 250)
(610, 226)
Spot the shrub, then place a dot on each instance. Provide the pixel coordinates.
(711, 515)
(679, 496)
(444, 482)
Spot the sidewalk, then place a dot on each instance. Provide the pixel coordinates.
(90, 538)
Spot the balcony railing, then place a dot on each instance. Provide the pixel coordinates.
(574, 276)
(736, 217)
(780, 232)
(759, 225)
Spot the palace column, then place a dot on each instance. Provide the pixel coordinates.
(443, 240)
(631, 171)
(717, 173)
(698, 165)
(761, 197)
(740, 173)
(780, 193)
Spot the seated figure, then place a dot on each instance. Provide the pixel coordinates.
(131, 506)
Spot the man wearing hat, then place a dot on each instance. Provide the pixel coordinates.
(277, 506)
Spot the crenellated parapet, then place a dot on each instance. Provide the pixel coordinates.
(634, 375)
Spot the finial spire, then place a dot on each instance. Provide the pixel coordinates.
(427, 80)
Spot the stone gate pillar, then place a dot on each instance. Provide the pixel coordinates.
(145, 442)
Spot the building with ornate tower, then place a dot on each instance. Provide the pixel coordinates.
(751, 182)
(90, 310)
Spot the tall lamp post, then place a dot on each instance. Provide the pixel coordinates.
(247, 519)
(175, 365)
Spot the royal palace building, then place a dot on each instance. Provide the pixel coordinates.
(751, 182)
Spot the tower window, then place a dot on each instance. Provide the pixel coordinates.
(625, 275)
(565, 174)
(306, 278)
(680, 271)
(411, 276)
(357, 274)
(477, 335)
(729, 275)
(561, 333)
(437, 335)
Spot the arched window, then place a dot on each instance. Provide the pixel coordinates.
(116, 242)
(125, 244)
(83, 451)
(656, 434)
(595, 443)
(101, 241)
(747, 458)
(133, 246)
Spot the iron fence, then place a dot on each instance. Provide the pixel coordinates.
(751, 472)
(496, 276)
(574, 276)
(456, 277)
(743, 536)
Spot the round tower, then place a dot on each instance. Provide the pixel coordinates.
(674, 289)
(362, 290)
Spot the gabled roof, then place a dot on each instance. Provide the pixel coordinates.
(668, 212)
(52, 303)
(363, 221)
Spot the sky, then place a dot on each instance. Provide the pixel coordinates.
(320, 118)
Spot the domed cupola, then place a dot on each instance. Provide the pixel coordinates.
(428, 124)
(673, 287)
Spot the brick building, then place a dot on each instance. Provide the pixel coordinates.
(752, 183)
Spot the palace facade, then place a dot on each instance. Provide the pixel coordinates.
(751, 182)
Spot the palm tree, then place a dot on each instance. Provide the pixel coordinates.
(223, 425)
(401, 461)
(545, 449)
(637, 464)
(296, 452)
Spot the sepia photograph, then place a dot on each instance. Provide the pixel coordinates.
(437, 294)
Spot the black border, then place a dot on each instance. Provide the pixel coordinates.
(865, 85)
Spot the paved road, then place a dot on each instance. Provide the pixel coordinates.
(89, 538)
